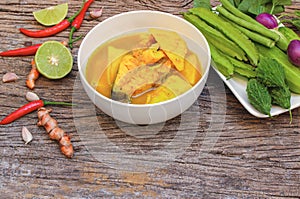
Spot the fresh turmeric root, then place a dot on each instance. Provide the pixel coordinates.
(55, 132)
(32, 76)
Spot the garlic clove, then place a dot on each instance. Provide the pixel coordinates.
(9, 77)
(26, 135)
(31, 96)
(96, 13)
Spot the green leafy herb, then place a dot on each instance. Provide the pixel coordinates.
(266, 8)
(247, 5)
(281, 96)
(270, 72)
(236, 2)
(270, 75)
(259, 96)
(202, 3)
(256, 7)
(279, 3)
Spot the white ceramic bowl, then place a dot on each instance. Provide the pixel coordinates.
(134, 20)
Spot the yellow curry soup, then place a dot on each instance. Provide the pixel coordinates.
(144, 67)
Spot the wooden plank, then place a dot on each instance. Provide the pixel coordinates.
(230, 154)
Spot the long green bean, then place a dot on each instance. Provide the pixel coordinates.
(221, 62)
(231, 8)
(216, 38)
(230, 31)
(254, 36)
(243, 68)
(253, 26)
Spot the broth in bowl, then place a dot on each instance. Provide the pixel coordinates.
(143, 67)
(129, 24)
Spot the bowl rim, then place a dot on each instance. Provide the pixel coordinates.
(83, 78)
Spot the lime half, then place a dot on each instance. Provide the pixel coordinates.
(53, 60)
(51, 15)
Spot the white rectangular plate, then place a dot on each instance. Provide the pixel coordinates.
(238, 84)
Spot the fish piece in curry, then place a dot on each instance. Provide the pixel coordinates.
(157, 67)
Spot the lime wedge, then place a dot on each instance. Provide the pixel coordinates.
(51, 15)
(53, 60)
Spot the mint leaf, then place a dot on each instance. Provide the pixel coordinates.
(256, 9)
(202, 3)
(276, 10)
(253, 7)
(237, 3)
(282, 2)
(259, 6)
(245, 5)
(279, 3)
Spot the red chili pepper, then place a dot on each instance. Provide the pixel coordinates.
(48, 31)
(78, 21)
(28, 108)
(30, 50)
(51, 30)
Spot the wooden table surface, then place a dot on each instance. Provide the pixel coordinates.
(216, 149)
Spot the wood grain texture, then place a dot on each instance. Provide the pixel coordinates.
(225, 151)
